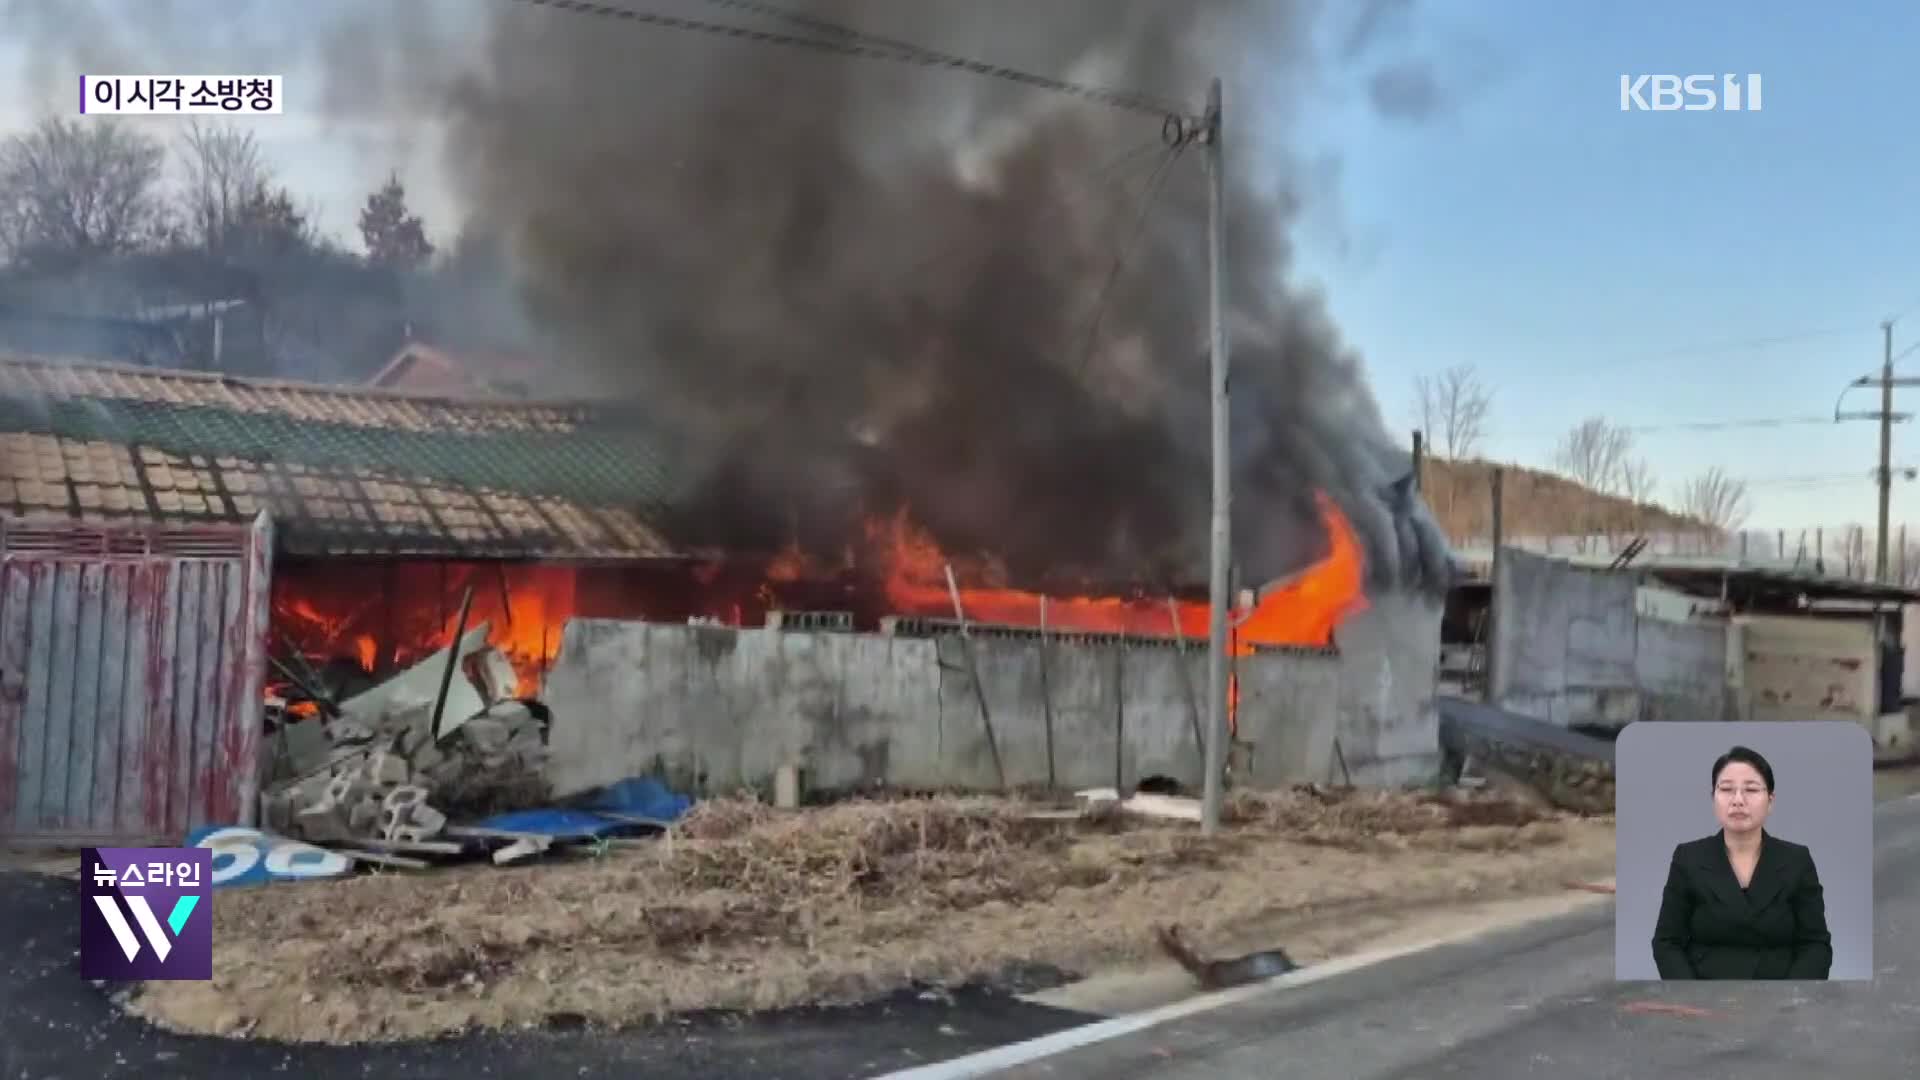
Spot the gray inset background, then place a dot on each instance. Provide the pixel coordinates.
(1823, 798)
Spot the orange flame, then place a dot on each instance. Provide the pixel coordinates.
(1303, 611)
(388, 616)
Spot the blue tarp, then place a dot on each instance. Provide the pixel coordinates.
(559, 824)
(635, 797)
(641, 796)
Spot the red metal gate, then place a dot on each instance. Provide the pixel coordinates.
(132, 664)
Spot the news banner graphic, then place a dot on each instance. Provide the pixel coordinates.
(146, 913)
(188, 95)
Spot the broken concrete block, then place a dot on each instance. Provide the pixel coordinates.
(403, 799)
(386, 769)
(344, 790)
(413, 739)
(425, 756)
(410, 834)
(306, 745)
(349, 733)
(322, 823)
(364, 818)
(310, 790)
(428, 820)
(485, 733)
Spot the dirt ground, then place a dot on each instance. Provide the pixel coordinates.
(746, 908)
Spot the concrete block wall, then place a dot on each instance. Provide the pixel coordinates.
(1389, 671)
(859, 710)
(1571, 648)
(1681, 671)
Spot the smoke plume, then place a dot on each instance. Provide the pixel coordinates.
(866, 284)
(871, 285)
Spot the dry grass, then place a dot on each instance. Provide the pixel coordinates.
(752, 908)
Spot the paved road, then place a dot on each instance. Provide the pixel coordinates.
(1542, 1002)
(55, 1025)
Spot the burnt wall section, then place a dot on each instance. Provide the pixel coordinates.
(714, 708)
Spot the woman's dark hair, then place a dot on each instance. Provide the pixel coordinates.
(1745, 757)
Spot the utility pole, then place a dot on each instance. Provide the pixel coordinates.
(1886, 447)
(1218, 669)
(1887, 418)
(1491, 694)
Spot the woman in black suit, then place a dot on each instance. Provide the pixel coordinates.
(1742, 903)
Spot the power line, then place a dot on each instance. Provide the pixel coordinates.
(1825, 481)
(1125, 250)
(1706, 426)
(1759, 342)
(865, 47)
(814, 22)
(1729, 425)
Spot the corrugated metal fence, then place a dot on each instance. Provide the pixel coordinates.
(132, 663)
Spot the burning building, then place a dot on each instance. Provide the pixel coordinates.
(390, 509)
(901, 319)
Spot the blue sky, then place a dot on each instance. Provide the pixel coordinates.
(1587, 261)
(1590, 261)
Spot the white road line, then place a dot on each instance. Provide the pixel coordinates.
(986, 1062)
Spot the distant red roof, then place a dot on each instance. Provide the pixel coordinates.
(420, 368)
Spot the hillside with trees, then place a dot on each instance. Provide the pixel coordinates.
(1597, 484)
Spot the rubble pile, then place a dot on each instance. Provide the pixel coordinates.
(379, 771)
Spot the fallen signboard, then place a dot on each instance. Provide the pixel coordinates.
(243, 856)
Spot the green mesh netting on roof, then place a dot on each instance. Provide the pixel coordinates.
(613, 463)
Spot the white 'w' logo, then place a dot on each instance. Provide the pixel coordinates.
(142, 914)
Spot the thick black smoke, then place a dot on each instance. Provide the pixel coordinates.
(872, 284)
(868, 284)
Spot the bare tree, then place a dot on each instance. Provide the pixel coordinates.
(225, 182)
(1905, 564)
(1595, 454)
(74, 190)
(1636, 481)
(1452, 410)
(1716, 500)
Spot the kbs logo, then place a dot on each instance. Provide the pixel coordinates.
(1689, 93)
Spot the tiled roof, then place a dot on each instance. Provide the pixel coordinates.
(339, 469)
(468, 373)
